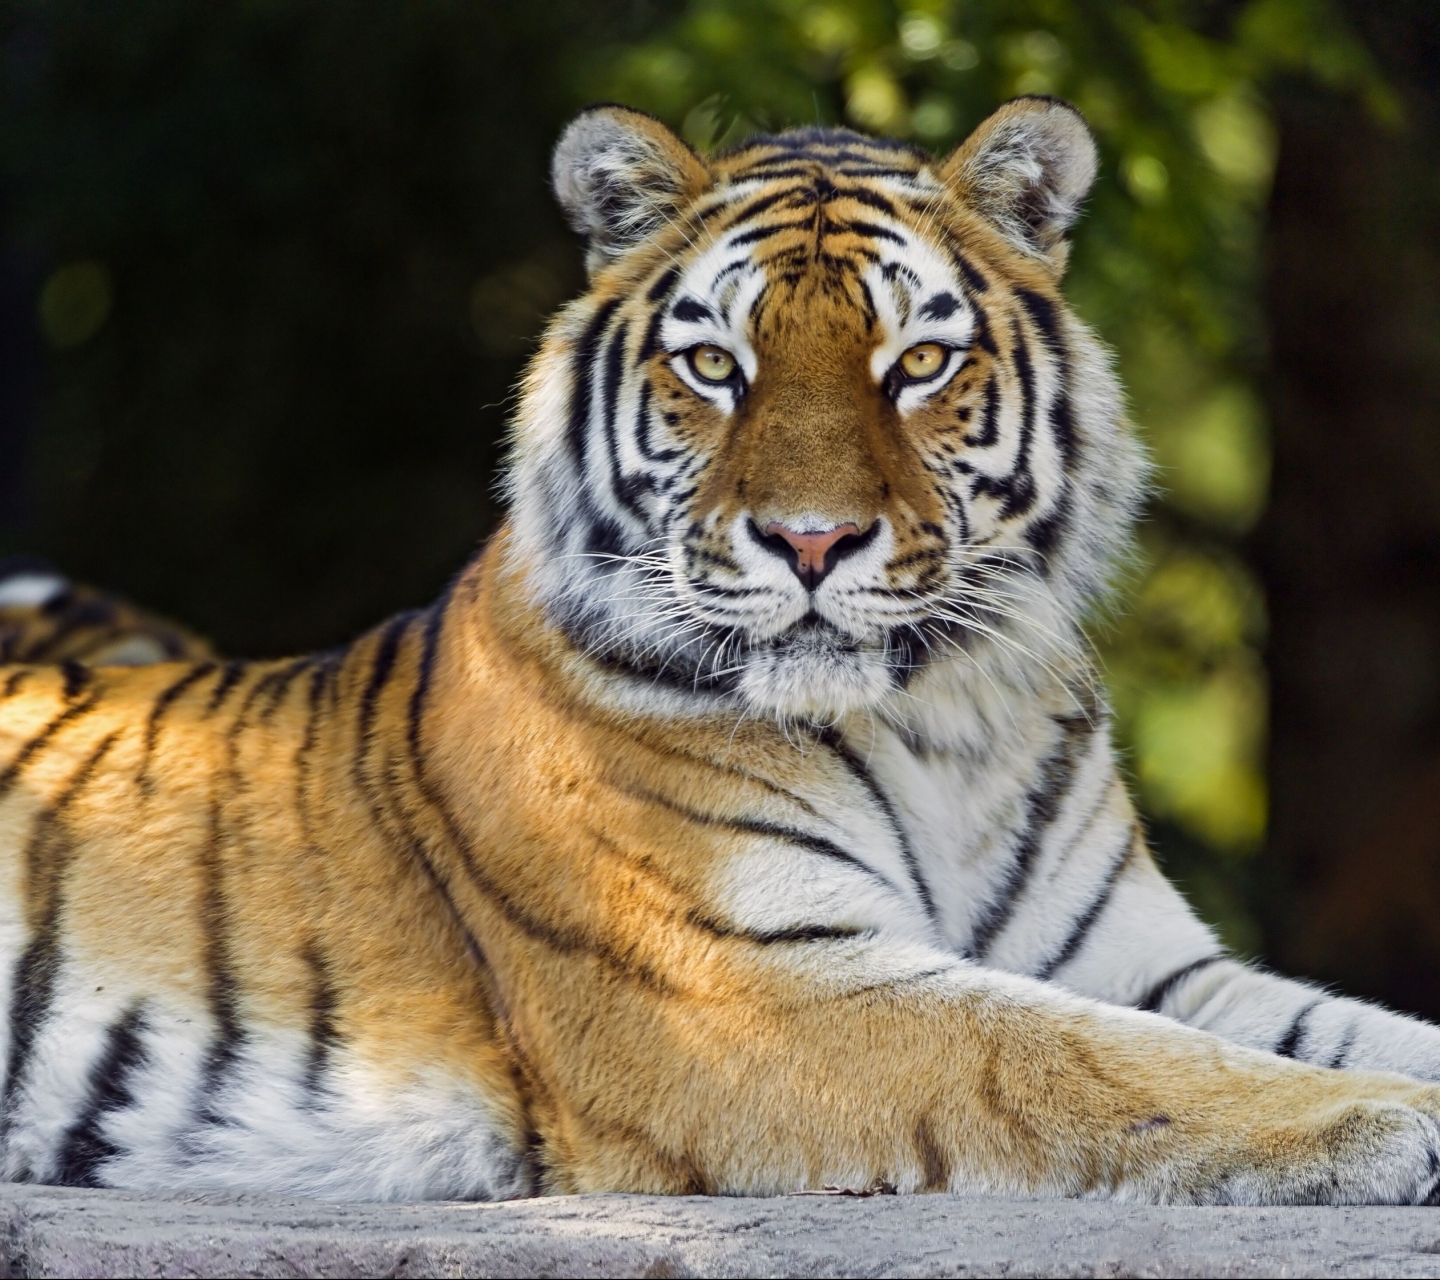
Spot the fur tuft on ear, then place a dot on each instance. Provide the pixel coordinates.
(1028, 168)
(620, 175)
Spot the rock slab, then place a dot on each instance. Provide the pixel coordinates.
(56, 1232)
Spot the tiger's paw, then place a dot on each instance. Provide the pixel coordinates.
(1367, 1151)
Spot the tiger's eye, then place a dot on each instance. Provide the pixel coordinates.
(714, 364)
(924, 361)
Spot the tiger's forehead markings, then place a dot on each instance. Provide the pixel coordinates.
(825, 210)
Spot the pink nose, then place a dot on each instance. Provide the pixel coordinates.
(815, 553)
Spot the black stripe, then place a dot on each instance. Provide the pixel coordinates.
(41, 740)
(14, 681)
(756, 234)
(319, 679)
(785, 167)
(857, 770)
(222, 987)
(650, 341)
(1337, 1061)
(623, 492)
(370, 790)
(163, 700)
(1062, 421)
(989, 431)
(977, 282)
(429, 648)
(85, 1147)
(1081, 929)
(265, 684)
(280, 686)
(770, 937)
(324, 1037)
(1042, 807)
(806, 933)
(1042, 315)
(1017, 490)
(644, 422)
(690, 310)
(983, 337)
(1288, 1046)
(768, 830)
(580, 374)
(940, 307)
(872, 229)
(863, 195)
(231, 676)
(663, 284)
(382, 666)
(47, 858)
(222, 984)
(771, 787)
(1153, 999)
(858, 170)
(77, 678)
(1044, 534)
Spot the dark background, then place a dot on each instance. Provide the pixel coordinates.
(270, 270)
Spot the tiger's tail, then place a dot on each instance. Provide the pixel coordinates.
(46, 619)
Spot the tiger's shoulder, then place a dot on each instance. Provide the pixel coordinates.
(46, 619)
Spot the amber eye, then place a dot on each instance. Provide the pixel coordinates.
(923, 361)
(713, 364)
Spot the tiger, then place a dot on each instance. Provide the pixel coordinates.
(744, 819)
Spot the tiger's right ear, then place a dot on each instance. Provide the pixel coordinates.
(620, 175)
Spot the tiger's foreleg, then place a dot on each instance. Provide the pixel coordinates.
(867, 1062)
(1146, 949)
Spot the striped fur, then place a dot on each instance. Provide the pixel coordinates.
(46, 619)
(648, 859)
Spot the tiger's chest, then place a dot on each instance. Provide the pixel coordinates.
(986, 810)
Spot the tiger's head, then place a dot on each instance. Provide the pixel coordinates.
(822, 421)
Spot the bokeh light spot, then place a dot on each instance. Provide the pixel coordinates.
(1146, 178)
(75, 302)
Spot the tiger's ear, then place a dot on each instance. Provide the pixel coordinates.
(1028, 169)
(620, 175)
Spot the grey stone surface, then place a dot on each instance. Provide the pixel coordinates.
(52, 1232)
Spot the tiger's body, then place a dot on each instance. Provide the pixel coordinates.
(743, 819)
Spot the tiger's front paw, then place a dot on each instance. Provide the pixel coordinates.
(1370, 1151)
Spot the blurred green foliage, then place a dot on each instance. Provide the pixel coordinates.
(1165, 267)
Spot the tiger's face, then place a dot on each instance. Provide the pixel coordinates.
(823, 422)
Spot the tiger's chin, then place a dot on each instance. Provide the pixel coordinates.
(815, 674)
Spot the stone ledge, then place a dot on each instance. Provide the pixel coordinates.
(54, 1232)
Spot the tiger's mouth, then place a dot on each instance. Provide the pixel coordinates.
(813, 635)
(814, 670)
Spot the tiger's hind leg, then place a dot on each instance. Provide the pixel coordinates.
(46, 619)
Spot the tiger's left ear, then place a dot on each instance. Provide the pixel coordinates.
(1028, 169)
(620, 175)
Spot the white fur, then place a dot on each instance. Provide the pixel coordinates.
(30, 590)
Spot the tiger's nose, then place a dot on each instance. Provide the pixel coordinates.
(813, 555)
